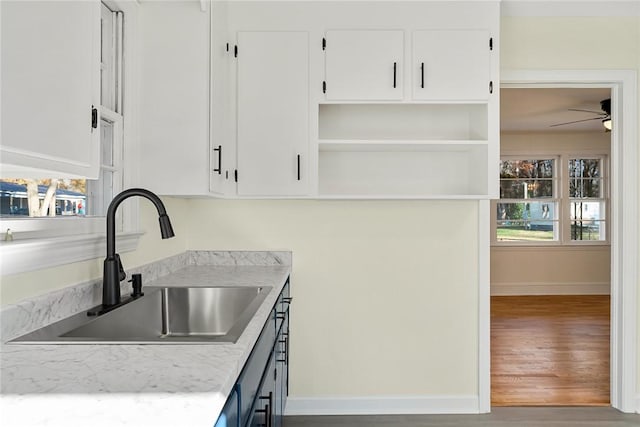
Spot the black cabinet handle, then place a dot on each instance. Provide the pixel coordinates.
(395, 66)
(287, 300)
(298, 167)
(219, 150)
(422, 75)
(284, 341)
(94, 117)
(267, 411)
(286, 350)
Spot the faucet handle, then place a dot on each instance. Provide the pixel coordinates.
(136, 283)
(121, 273)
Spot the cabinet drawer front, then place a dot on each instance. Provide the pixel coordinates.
(249, 380)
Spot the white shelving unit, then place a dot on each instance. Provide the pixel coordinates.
(403, 103)
(403, 150)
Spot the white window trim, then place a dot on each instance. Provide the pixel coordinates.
(40, 243)
(563, 232)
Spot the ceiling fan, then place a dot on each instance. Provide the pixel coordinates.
(604, 115)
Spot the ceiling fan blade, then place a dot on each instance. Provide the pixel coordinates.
(587, 111)
(576, 121)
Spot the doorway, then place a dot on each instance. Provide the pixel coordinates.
(623, 233)
(550, 254)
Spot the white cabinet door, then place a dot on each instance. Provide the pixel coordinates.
(451, 65)
(50, 83)
(364, 65)
(175, 156)
(273, 113)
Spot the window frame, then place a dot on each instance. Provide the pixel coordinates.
(39, 243)
(556, 180)
(605, 196)
(563, 198)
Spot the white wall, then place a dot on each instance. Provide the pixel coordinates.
(544, 270)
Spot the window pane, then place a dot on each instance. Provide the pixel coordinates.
(108, 58)
(526, 168)
(514, 231)
(585, 187)
(100, 194)
(70, 197)
(587, 230)
(526, 189)
(585, 168)
(587, 211)
(106, 141)
(542, 211)
(587, 220)
(527, 221)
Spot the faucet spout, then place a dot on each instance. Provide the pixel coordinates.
(113, 272)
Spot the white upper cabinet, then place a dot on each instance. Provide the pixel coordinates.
(451, 65)
(356, 100)
(273, 113)
(50, 85)
(364, 65)
(175, 155)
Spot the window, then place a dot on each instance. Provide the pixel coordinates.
(587, 206)
(101, 191)
(75, 208)
(557, 199)
(528, 201)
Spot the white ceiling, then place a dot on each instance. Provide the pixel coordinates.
(535, 110)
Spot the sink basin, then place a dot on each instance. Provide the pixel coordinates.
(170, 315)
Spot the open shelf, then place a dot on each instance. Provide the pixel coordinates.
(398, 145)
(419, 174)
(403, 151)
(427, 122)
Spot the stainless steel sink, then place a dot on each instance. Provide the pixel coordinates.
(171, 315)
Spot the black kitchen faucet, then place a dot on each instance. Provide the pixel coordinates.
(113, 271)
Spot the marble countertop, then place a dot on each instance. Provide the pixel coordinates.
(137, 385)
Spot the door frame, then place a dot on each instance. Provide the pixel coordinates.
(624, 230)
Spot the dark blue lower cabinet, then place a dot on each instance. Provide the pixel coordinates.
(229, 416)
(264, 409)
(260, 393)
(281, 353)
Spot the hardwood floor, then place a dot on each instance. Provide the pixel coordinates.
(550, 350)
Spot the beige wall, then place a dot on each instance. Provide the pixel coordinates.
(552, 270)
(385, 298)
(385, 293)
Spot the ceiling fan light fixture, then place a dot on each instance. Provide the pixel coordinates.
(607, 123)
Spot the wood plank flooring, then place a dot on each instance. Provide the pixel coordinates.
(550, 350)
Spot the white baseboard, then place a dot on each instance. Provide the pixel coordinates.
(382, 405)
(638, 404)
(549, 288)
